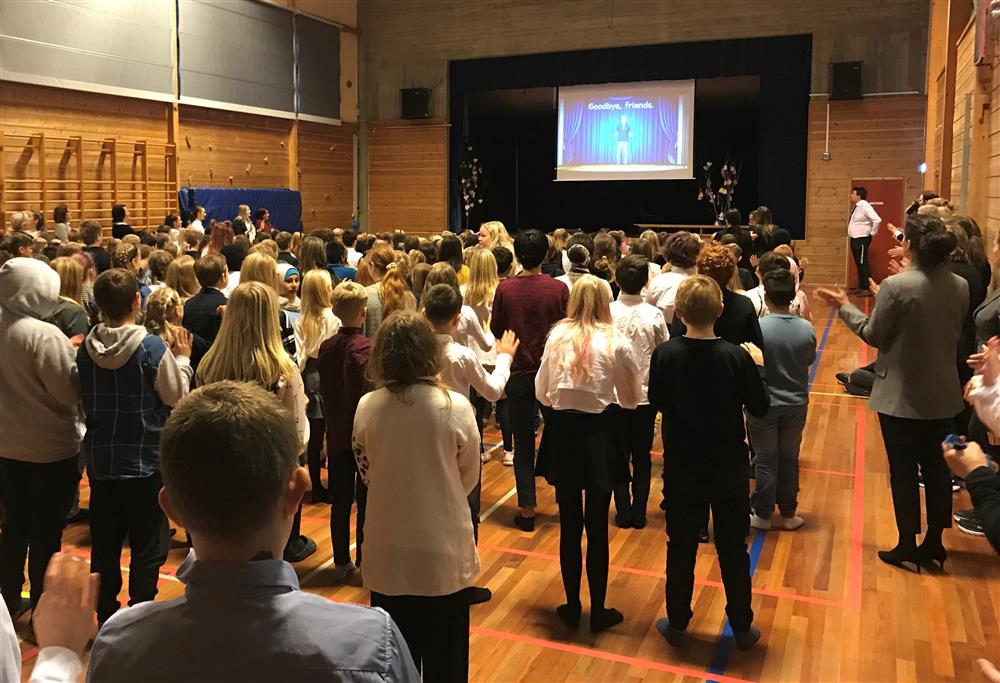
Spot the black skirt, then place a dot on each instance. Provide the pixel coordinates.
(583, 450)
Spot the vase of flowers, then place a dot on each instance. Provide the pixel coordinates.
(470, 173)
(718, 192)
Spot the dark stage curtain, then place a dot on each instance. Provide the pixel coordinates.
(782, 63)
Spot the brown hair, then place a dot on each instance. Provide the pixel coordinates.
(682, 249)
(181, 277)
(157, 318)
(312, 254)
(406, 352)
(159, 262)
(698, 300)
(209, 269)
(114, 293)
(124, 256)
(392, 288)
(227, 453)
(718, 263)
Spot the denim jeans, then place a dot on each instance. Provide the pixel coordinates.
(776, 438)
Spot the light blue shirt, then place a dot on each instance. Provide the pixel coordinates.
(789, 350)
(249, 621)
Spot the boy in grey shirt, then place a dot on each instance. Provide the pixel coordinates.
(790, 344)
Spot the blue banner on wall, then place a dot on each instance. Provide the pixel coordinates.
(221, 204)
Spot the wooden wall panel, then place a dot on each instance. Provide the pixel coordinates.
(229, 149)
(992, 179)
(409, 44)
(875, 138)
(55, 127)
(965, 80)
(407, 176)
(326, 174)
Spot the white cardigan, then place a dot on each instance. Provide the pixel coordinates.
(418, 453)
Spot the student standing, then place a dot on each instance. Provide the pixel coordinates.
(777, 436)
(129, 379)
(702, 384)
(529, 304)
(643, 327)
(201, 311)
(417, 448)
(231, 476)
(587, 371)
(682, 249)
(39, 393)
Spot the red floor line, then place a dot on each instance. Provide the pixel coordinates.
(856, 554)
(600, 654)
(30, 653)
(826, 602)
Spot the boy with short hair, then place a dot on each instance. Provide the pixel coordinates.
(343, 362)
(777, 436)
(90, 233)
(336, 261)
(702, 384)
(201, 311)
(284, 240)
(529, 304)
(231, 476)
(645, 329)
(128, 381)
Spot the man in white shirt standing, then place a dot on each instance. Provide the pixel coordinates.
(861, 228)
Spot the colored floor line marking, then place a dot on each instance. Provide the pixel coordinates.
(856, 554)
(598, 654)
(720, 658)
(833, 473)
(826, 602)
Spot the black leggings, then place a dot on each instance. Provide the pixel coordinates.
(314, 453)
(574, 516)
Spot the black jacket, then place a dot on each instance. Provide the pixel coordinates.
(737, 324)
(119, 230)
(201, 315)
(984, 488)
(101, 257)
(239, 226)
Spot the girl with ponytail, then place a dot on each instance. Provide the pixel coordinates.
(390, 293)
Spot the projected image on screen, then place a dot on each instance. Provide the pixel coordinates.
(626, 131)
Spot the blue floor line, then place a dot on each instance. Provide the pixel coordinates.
(724, 646)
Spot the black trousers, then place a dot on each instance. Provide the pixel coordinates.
(689, 497)
(859, 252)
(522, 407)
(123, 509)
(314, 453)
(638, 426)
(37, 498)
(436, 630)
(914, 447)
(346, 487)
(576, 514)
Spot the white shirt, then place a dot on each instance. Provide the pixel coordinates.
(418, 453)
(470, 332)
(234, 281)
(331, 324)
(864, 221)
(986, 401)
(614, 373)
(663, 289)
(463, 370)
(756, 296)
(54, 664)
(643, 326)
(196, 226)
(292, 396)
(571, 277)
(353, 256)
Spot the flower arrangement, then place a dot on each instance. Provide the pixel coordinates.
(719, 198)
(470, 173)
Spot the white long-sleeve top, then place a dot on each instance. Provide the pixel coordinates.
(864, 220)
(470, 331)
(418, 453)
(331, 324)
(615, 374)
(292, 395)
(663, 288)
(462, 370)
(644, 328)
(986, 401)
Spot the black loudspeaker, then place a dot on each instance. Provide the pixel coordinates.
(415, 103)
(845, 81)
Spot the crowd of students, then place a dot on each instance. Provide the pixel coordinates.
(203, 379)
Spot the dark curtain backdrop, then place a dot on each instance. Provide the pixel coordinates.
(782, 63)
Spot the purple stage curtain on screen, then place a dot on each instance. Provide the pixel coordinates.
(589, 135)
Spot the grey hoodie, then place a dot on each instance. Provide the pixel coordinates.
(112, 347)
(39, 386)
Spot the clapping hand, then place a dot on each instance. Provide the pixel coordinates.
(835, 296)
(987, 362)
(182, 343)
(873, 286)
(508, 343)
(65, 614)
(755, 353)
(989, 670)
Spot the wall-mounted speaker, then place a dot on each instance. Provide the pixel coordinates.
(415, 103)
(845, 81)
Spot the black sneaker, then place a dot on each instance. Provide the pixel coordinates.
(855, 390)
(965, 514)
(973, 527)
(844, 378)
(299, 549)
(524, 523)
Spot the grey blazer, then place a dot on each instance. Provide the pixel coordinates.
(915, 326)
(988, 318)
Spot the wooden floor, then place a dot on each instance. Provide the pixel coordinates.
(828, 609)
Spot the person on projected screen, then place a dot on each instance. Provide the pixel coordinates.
(623, 133)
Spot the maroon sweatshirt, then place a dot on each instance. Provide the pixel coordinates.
(529, 305)
(342, 363)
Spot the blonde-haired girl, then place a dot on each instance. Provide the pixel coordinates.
(69, 315)
(482, 285)
(315, 325)
(493, 234)
(587, 374)
(389, 293)
(417, 449)
(248, 349)
(263, 268)
(181, 277)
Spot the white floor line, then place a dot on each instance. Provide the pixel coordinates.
(482, 518)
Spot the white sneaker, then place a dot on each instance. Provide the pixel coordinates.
(484, 457)
(342, 571)
(508, 458)
(792, 523)
(759, 522)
